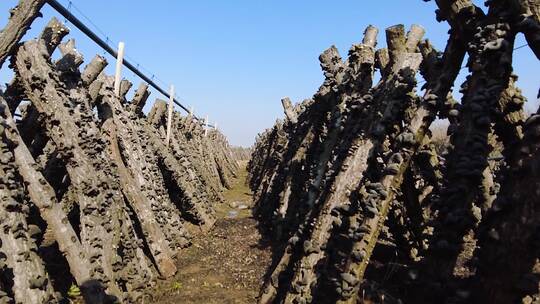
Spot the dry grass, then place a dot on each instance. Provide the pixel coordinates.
(439, 138)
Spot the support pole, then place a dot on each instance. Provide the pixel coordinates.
(169, 117)
(77, 23)
(206, 126)
(119, 63)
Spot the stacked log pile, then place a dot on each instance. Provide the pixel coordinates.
(241, 153)
(91, 195)
(363, 207)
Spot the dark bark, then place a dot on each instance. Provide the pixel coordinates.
(19, 22)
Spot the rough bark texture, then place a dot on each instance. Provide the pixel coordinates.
(361, 202)
(90, 193)
(89, 171)
(42, 195)
(363, 205)
(19, 22)
(139, 100)
(105, 187)
(20, 266)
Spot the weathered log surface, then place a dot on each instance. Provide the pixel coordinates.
(52, 36)
(360, 204)
(164, 232)
(42, 194)
(404, 214)
(139, 100)
(18, 259)
(89, 169)
(132, 189)
(19, 22)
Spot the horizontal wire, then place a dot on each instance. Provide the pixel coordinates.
(108, 39)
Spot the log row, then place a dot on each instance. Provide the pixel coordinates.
(362, 205)
(91, 195)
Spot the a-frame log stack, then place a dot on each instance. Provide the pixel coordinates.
(90, 193)
(364, 207)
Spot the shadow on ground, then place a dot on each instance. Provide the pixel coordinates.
(226, 265)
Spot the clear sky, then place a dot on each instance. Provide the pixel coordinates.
(234, 60)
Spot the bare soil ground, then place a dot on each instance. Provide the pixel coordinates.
(225, 265)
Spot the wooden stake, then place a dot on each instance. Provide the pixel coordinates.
(169, 118)
(206, 126)
(119, 63)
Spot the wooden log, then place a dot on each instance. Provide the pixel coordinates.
(528, 14)
(382, 60)
(71, 58)
(181, 176)
(32, 120)
(191, 149)
(408, 219)
(120, 130)
(396, 41)
(304, 271)
(19, 22)
(467, 161)
(441, 82)
(370, 36)
(414, 36)
(89, 172)
(139, 100)
(398, 164)
(346, 180)
(288, 109)
(199, 209)
(93, 91)
(263, 193)
(93, 69)
(31, 130)
(52, 36)
(345, 183)
(509, 120)
(202, 163)
(274, 184)
(189, 199)
(156, 117)
(43, 196)
(30, 282)
(90, 78)
(507, 253)
(125, 86)
(360, 68)
(14, 94)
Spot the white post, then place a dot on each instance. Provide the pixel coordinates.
(119, 63)
(169, 119)
(206, 126)
(191, 111)
(215, 125)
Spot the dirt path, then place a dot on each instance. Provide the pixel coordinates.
(227, 264)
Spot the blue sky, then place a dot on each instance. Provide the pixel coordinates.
(234, 60)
